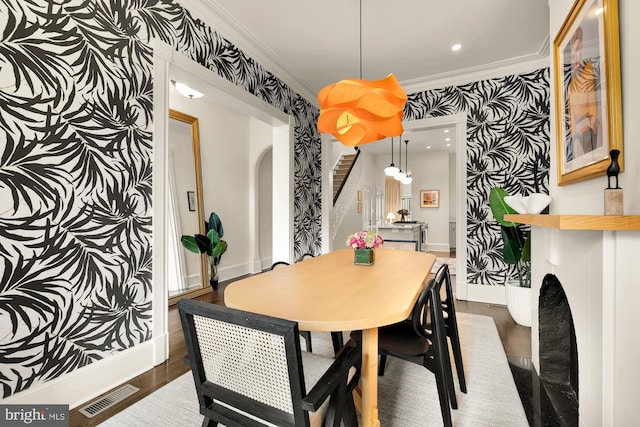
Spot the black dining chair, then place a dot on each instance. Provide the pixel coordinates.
(443, 285)
(305, 256)
(422, 340)
(249, 370)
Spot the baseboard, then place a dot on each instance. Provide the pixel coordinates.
(486, 294)
(86, 383)
(438, 247)
(233, 271)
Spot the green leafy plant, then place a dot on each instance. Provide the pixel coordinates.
(517, 240)
(211, 243)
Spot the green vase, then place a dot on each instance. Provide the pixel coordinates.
(364, 256)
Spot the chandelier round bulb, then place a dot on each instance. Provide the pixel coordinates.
(391, 170)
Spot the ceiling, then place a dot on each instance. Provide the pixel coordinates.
(310, 44)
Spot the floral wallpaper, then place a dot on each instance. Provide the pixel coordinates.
(507, 146)
(75, 173)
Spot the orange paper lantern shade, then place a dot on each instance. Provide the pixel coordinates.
(361, 111)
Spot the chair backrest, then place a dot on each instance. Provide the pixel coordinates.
(443, 277)
(306, 256)
(427, 318)
(245, 366)
(278, 264)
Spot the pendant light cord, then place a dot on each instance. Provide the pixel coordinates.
(391, 151)
(406, 155)
(361, 40)
(400, 153)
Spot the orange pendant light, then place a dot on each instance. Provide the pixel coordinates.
(360, 111)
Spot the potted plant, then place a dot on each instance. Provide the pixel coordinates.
(517, 252)
(403, 214)
(211, 244)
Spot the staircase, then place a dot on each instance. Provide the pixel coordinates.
(341, 172)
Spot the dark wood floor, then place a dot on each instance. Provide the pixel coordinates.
(516, 340)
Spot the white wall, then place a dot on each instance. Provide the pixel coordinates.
(453, 180)
(431, 172)
(224, 150)
(265, 205)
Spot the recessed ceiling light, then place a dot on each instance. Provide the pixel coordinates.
(448, 145)
(456, 47)
(447, 139)
(446, 131)
(428, 147)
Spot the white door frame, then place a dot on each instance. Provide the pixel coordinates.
(458, 120)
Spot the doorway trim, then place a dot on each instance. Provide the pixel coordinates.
(458, 120)
(166, 64)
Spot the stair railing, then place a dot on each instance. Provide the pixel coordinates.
(346, 196)
(335, 197)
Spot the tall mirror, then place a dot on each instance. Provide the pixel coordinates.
(186, 271)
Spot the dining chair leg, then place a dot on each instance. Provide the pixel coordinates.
(381, 364)
(448, 375)
(207, 422)
(443, 394)
(457, 354)
(338, 341)
(307, 339)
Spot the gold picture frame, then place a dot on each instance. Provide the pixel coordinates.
(587, 91)
(429, 198)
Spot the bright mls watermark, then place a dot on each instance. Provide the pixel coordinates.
(34, 415)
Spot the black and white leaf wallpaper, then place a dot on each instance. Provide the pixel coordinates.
(76, 164)
(507, 146)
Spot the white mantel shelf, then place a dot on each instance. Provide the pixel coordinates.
(580, 222)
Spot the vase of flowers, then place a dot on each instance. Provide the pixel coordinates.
(403, 214)
(364, 244)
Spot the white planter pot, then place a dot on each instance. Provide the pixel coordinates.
(519, 303)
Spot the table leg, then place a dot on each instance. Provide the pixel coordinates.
(370, 378)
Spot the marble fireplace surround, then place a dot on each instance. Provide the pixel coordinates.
(595, 258)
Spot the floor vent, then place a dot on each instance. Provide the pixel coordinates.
(109, 400)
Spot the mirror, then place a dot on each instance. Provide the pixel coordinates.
(186, 272)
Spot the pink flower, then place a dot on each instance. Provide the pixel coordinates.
(364, 240)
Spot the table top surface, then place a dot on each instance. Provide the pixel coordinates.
(331, 293)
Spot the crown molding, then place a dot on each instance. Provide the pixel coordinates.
(492, 70)
(229, 28)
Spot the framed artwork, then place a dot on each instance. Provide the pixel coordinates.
(191, 199)
(587, 90)
(429, 198)
(359, 195)
(359, 207)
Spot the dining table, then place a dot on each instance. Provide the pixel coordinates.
(331, 293)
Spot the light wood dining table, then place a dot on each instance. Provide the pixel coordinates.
(331, 293)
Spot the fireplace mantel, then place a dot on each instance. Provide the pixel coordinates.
(580, 222)
(595, 259)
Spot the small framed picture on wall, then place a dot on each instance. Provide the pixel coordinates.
(191, 198)
(429, 198)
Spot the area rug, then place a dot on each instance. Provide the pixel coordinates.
(442, 260)
(407, 394)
